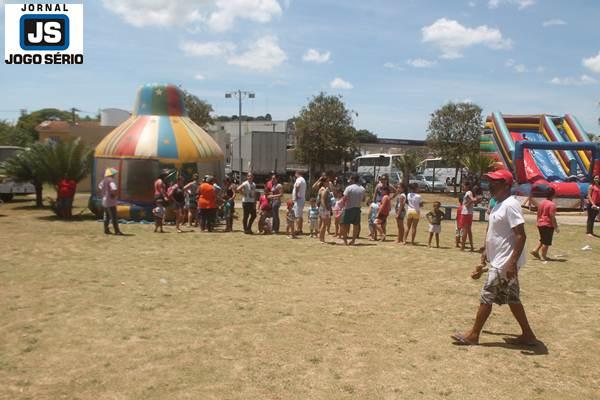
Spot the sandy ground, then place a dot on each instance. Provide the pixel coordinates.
(232, 316)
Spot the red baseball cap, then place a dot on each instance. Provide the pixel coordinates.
(501, 175)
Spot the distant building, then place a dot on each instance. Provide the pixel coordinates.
(391, 146)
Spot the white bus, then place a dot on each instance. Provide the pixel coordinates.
(443, 171)
(377, 165)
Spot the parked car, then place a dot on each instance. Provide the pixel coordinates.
(8, 187)
(426, 183)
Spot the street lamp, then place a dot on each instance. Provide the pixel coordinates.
(240, 94)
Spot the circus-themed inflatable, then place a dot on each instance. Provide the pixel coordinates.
(543, 151)
(158, 135)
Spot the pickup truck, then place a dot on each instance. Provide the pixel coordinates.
(8, 187)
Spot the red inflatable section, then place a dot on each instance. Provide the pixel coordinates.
(530, 172)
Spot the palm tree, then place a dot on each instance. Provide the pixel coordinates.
(67, 160)
(27, 166)
(477, 164)
(407, 164)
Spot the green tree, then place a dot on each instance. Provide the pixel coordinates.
(10, 135)
(198, 110)
(477, 164)
(28, 122)
(27, 166)
(70, 159)
(454, 131)
(366, 136)
(407, 164)
(324, 132)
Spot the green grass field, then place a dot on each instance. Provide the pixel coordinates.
(232, 316)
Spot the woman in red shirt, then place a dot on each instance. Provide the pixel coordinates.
(593, 206)
(207, 204)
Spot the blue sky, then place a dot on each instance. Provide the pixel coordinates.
(393, 61)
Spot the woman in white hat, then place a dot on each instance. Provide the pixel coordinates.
(108, 191)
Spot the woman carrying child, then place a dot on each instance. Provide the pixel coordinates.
(385, 207)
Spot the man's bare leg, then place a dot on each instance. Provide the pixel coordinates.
(483, 313)
(527, 335)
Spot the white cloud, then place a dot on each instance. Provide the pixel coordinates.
(199, 77)
(263, 55)
(520, 3)
(520, 68)
(512, 64)
(198, 49)
(472, 4)
(313, 55)
(339, 83)
(141, 13)
(420, 63)
(553, 22)
(255, 10)
(452, 37)
(219, 15)
(592, 63)
(540, 69)
(391, 65)
(583, 80)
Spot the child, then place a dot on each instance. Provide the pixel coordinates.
(290, 228)
(159, 215)
(313, 217)
(264, 204)
(435, 217)
(546, 223)
(372, 213)
(268, 226)
(338, 208)
(413, 212)
(385, 207)
(331, 206)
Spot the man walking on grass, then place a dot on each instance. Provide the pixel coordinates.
(353, 198)
(504, 246)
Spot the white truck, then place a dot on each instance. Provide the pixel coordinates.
(8, 187)
(262, 152)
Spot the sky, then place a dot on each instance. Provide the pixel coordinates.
(393, 62)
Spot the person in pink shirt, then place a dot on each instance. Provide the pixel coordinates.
(546, 223)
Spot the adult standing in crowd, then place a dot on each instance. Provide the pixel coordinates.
(469, 201)
(413, 212)
(593, 206)
(299, 197)
(504, 244)
(229, 206)
(384, 183)
(324, 200)
(276, 194)
(108, 190)
(400, 211)
(354, 195)
(191, 193)
(248, 190)
(207, 202)
(176, 196)
(160, 187)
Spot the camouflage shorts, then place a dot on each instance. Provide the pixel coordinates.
(497, 289)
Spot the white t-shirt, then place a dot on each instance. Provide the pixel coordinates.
(249, 192)
(299, 191)
(500, 240)
(354, 195)
(468, 203)
(413, 200)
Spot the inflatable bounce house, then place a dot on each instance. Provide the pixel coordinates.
(157, 136)
(543, 151)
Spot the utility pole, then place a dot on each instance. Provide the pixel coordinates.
(240, 94)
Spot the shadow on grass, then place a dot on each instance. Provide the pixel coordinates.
(539, 349)
(74, 218)
(32, 207)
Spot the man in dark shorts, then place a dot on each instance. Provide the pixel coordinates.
(504, 246)
(353, 198)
